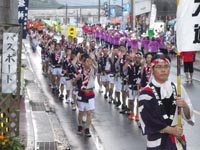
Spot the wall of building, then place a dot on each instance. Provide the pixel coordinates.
(165, 7)
(9, 11)
(82, 14)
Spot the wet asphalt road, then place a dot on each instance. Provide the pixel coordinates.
(110, 129)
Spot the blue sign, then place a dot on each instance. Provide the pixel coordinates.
(112, 12)
(23, 15)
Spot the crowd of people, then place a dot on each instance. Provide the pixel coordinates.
(128, 69)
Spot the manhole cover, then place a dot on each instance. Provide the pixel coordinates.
(46, 146)
(38, 106)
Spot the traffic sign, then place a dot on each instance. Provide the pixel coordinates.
(71, 31)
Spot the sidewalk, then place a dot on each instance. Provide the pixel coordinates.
(39, 126)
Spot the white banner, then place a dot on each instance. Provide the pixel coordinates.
(188, 25)
(9, 62)
(142, 7)
(153, 16)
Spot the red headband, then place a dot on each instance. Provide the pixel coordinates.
(156, 61)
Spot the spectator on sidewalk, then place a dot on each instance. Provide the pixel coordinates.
(188, 58)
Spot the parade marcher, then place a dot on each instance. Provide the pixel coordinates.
(44, 44)
(133, 72)
(86, 96)
(105, 70)
(153, 46)
(144, 44)
(112, 60)
(158, 103)
(65, 81)
(146, 73)
(171, 49)
(99, 55)
(120, 63)
(34, 39)
(55, 59)
(188, 60)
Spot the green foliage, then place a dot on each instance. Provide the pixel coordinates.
(13, 143)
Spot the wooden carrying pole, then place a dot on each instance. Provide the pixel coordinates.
(179, 88)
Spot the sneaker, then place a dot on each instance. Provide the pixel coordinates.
(87, 132)
(131, 116)
(100, 90)
(128, 112)
(137, 118)
(80, 130)
(68, 100)
(72, 101)
(73, 108)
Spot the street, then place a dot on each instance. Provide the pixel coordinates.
(110, 129)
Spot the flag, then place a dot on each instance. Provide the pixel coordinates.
(188, 25)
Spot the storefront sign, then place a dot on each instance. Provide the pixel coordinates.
(9, 62)
(142, 7)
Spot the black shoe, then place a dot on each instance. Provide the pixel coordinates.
(111, 100)
(80, 130)
(53, 90)
(124, 109)
(57, 91)
(118, 104)
(61, 96)
(87, 132)
(105, 96)
(124, 106)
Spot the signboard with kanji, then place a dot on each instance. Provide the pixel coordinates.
(23, 15)
(9, 62)
(188, 25)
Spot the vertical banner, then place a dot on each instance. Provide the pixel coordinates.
(153, 16)
(23, 15)
(9, 62)
(188, 25)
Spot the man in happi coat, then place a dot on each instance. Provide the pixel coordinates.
(158, 106)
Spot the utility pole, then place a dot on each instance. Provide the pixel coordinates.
(123, 24)
(132, 16)
(66, 7)
(99, 11)
(109, 10)
(77, 17)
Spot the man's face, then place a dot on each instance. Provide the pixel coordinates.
(87, 63)
(161, 72)
(123, 49)
(148, 58)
